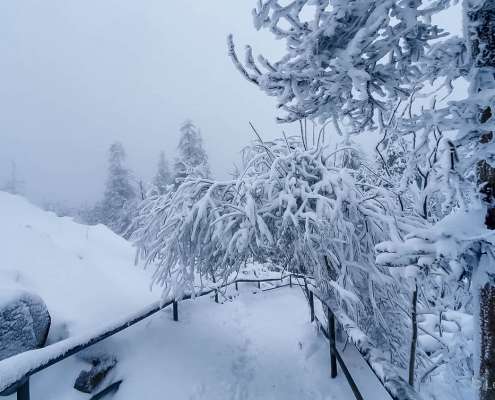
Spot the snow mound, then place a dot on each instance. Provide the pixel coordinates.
(84, 274)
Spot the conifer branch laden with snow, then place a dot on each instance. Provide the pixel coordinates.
(348, 59)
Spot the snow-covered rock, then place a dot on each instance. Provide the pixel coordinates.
(24, 322)
(89, 380)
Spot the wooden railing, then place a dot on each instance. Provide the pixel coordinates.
(16, 371)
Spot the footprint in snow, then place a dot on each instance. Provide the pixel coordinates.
(243, 373)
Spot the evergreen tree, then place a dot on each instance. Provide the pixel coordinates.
(119, 192)
(13, 185)
(163, 177)
(192, 160)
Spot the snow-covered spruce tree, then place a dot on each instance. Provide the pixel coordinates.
(13, 184)
(119, 191)
(89, 214)
(192, 159)
(163, 177)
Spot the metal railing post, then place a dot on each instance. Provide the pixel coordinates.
(175, 308)
(311, 306)
(259, 285)
(333, 346)
(23, 391)
(236, 286)
(290, 280)
(216, 295)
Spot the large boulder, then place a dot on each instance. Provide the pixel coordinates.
(24, 322)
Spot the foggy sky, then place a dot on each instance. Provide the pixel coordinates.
(77, 75)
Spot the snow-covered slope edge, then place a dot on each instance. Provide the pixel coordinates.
(85, 274)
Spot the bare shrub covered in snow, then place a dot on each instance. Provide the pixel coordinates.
(294, 207)
(365, 61)
(325, 212)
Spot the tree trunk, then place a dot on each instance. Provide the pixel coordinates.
(487, 354)
(480, 23)
(414, 338)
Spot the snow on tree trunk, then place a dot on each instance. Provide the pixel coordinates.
(480, 31)
(487, 353)
(414, 339)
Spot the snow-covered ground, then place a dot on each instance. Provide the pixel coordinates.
(86, 275)
(253, 346)
(257, 346)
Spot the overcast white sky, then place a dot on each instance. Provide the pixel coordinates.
(76, 75)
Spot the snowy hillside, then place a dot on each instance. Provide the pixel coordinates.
(85, 274)
(253, 346)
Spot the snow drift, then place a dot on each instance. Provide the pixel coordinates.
(85, 274)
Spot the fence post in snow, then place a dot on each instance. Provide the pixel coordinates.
(312, 306)
(332, 340)
(175, 307)
(23, 391)
(259, 285)
(290, 280)
(216, 289)
(236, 286)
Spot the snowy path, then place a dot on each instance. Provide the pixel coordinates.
(255, 347)
(258, 346)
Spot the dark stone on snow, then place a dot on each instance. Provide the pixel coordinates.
(110, 389)
(88, 381)
(24, 322)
